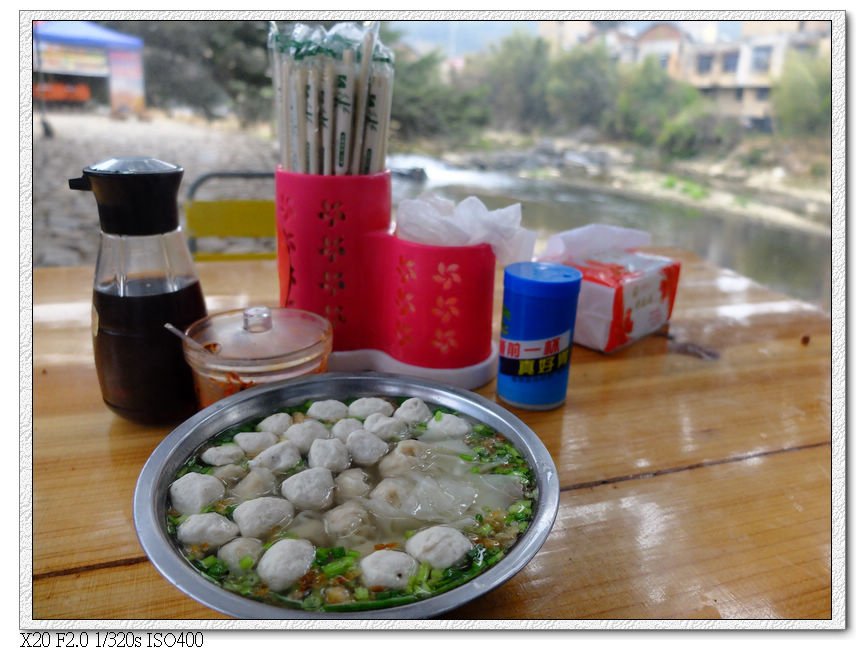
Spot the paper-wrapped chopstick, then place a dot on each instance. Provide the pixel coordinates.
(333, 94)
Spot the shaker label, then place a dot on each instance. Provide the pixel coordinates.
(532, 358)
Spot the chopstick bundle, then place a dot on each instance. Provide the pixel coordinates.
(333, 92)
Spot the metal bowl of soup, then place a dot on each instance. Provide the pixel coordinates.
(153, 507)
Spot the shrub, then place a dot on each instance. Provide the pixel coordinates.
(695, 129)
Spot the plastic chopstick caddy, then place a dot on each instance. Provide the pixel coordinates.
(395, 306)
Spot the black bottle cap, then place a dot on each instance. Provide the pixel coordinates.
(135, 196)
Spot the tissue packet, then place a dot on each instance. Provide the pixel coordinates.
(625, 294)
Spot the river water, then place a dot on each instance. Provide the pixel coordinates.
(792, 261)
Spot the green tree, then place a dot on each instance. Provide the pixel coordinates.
(802, 96)
(425, 106)
(582, 86)
(515, 71)
(646, 99)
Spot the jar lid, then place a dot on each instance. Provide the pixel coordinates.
(542, 279)
(258, 337)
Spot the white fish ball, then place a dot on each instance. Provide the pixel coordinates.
(311, 489)
(350, 484)
(388, 569)
(222, 454)
(365, 406)
(344, 427)
(302, 434)
(413, 411)
(365, 448)
(257, 483)
(331, 454)
(193, 491)
(285, 562)
(259, 517)
(276, 423)
(237, 549)
(440, 546)
(254, 442)
(277, 458)
(385, 427)
(329, 410)
(210, 529)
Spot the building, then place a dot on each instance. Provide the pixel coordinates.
(667, 42)
(562, 35)
(738, 76)
(622, 47)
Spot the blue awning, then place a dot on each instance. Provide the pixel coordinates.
(83, 33)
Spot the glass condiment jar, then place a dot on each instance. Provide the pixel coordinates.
(144, 278)
(257, 345)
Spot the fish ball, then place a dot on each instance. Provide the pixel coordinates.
(237, 549)
(254, 442)
(344, 427)
(385, 427)
(222, 454)
(276, 423)
(388, 569)
(331, 454)
(193, 491)
(350, 484)
(365, 448)
(365, 406)
(440, 546)
(413, 411)
(329, 410)
(285, 562)
(277, 458)
(258, 517)
(311, 489)
(302, 434)
(257, 483)
(210, 529)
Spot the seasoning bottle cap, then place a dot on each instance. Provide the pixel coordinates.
(542, 279)
(135, 196)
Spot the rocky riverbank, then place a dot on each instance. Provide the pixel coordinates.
(769, 192)
(66, 228)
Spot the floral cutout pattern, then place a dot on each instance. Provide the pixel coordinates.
(446, 308)
(403, 333)
(406, 269)
(447, 275)
(331, 212)
(404, 302)
(332, 247)
(334, 313)
(332, 282)
(406, 273)
(444, 340)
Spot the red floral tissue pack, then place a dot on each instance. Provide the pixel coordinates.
(625, 294)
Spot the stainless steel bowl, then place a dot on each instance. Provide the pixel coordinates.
(150, 501)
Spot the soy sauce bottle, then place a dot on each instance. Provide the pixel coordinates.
(144, 278)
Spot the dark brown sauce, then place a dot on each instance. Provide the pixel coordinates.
(140, 364)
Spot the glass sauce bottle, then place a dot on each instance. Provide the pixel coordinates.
(144, 278)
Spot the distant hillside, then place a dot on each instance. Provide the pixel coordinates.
(458, 37)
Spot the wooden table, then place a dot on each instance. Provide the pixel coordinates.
(690, 487)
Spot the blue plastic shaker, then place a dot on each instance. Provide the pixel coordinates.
(538, 313)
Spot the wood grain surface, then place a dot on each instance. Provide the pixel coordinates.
(694, 465)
